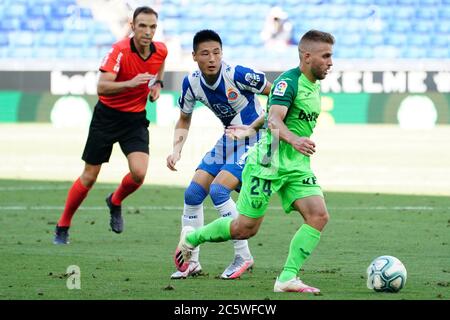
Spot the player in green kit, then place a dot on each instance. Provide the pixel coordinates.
(280, 162)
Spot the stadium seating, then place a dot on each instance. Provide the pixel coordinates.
(364, 29)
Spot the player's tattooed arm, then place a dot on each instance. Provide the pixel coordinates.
(179, 138)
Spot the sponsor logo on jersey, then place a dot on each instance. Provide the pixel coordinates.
(280, 88)
(308, 116)
(253, 79)
(232, 95)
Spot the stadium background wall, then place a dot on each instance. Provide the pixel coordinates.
(349, 98)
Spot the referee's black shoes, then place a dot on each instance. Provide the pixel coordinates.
(116, 221)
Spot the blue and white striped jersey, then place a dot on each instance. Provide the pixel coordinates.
(232, 98)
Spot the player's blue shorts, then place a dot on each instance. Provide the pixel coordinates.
(229, 155)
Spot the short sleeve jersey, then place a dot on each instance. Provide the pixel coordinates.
(124, 60)
(232, 98)
(302, 98)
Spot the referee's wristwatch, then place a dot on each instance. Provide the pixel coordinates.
(161, 83)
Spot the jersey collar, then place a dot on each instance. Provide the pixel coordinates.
(133, 49)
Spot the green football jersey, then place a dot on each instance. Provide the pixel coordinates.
(270, 158)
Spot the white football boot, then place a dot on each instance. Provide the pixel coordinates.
(237, 267)
(183, 252)
(293, 285)
(194, 269)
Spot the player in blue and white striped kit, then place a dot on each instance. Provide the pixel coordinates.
(230, 92)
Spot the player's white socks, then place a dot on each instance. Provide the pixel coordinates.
(228, 209)
(193, 216)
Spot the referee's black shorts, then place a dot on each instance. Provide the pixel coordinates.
(109, 126)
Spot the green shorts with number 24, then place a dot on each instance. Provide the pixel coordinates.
(256, 192)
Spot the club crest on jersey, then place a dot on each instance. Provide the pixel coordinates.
(280, 88)
(253, 79)
(232, 95)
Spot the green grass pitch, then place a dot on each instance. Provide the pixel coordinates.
(137, 264)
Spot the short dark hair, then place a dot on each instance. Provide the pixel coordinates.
(204, 36)
(144, 9)
(318, 36)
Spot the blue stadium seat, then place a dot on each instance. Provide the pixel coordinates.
(21, 39)
(186, 40)
(10, 24)
(102, 39)
(401, 25)
(444, 13)
(360, 12)
(60, 11)
(16, 10)
(344, 52)
(4, 40)
(427, 13)
(171, 11)
(71, 53)
(54, 25)
(404, 28)
(363, 2)
(91, 53)
(424, 26)
(350, 39)
(364, 52)
(336, 12)
(20, 52)
(383, 2)
(352, 25)
(30, 24)
(443, 26)
(40, 11)
(373, 39)
(387, 52)
(49, 39)
(406, 13)
(407, 2)
(441, 41)
(100, 27)
(397, 39)
(313, 12)
(411, 52)
(254, 41)
(440, 53)
(418, 39)
(236, 40)
(75, 39)
(40, 2)
(428, 3)
(4, 52)
(171, 26)
(85, 13)
(45, 52)
(103, 50)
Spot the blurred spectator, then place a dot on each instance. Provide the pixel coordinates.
(277, 32)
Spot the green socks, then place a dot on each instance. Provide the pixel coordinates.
(216, 231)
(302, 244)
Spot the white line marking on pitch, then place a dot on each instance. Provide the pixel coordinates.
(176, 208)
